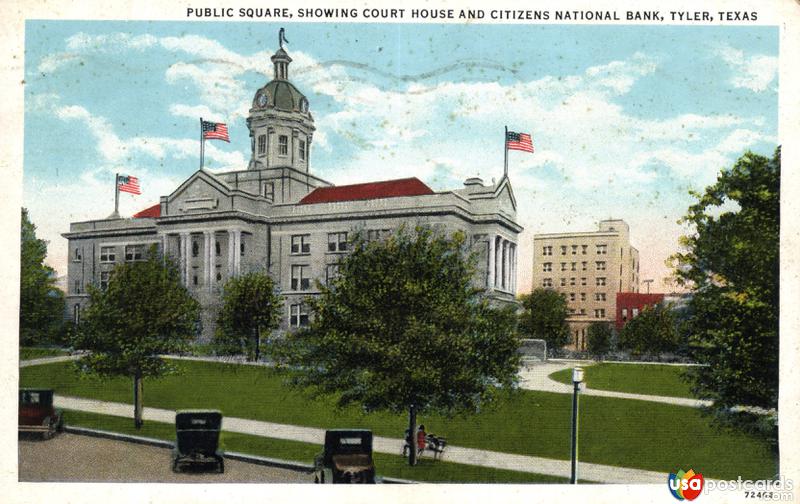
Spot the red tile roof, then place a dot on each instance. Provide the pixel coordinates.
(153, 211)
(371, 190)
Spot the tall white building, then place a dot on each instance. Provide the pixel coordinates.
(589, 268)
(275, 215)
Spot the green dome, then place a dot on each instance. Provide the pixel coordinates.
(281, 95)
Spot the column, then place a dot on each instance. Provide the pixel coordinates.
(207, 259)
(504, 283)
(514, 268)
(237, 251)
(490, 271)
(183, 250)
(498, 256)
(230, 253)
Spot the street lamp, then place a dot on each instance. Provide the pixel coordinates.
(577, 378)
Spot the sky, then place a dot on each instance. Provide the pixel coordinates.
(625, 120)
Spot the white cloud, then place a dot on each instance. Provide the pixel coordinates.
(755, 72)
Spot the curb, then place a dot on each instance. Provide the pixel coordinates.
(242, 457)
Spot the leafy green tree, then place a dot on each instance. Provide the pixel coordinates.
(250, 308)
(653, 332)
(403, 327)
(544, 317)
(599, 336)
(731, 265)
(41, 306)
(145, 312)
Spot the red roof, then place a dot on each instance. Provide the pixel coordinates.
(371, 190)
(153, 211)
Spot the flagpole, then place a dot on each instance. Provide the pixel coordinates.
(505, 153)
(116, 195)
(202, 144)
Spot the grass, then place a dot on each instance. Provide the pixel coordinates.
(27, 353)
(619, 432)
(651, 379)
(387, 465)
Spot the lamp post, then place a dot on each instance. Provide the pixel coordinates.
(577, 378)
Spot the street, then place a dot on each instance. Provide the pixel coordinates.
(71, 457)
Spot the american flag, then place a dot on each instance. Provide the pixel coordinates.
(215, 131)
(519, 141)
(128, 183)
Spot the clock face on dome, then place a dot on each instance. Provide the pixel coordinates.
(262, 100)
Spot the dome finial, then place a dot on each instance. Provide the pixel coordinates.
(282, 38)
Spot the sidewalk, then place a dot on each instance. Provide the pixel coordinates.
(48, 360)
(536, 378)
(471, 456)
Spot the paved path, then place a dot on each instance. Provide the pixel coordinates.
(48, 360)
(69, 457)
(472, 456)
(535, 377)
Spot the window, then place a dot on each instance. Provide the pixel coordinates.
(77, 255)
(572, 296)
(298, 315)
(600, 313)
(601, 265)
(108, 254)
(134, 252)
(217, 248)
(331, 273)
(547, 282)
(634, 312)
(77, 287)
(219, 276)
(76, 314)
(269, 191)
(602, 249)
(572, 281)
(300, 280)
(105, 276)
(600, 281)
(599, 296)
(563, 250)
(300, 244)
(376, 234)
(583, 249)
(262, 145)
(583, 311)
(337, 242)
(624, 314)
(574, 249)
(303, 105)
(583, 280)
(283, 145)
(583, 296)
(241, 247)
(563, 282)
(194, 279)
(547, 266)
(548, 251)
(195, 248)
(302, 150)
(573, 266)
(583, 265)
(563, 266)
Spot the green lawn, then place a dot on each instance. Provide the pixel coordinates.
(651, 379)
(387, 465)
(646, 435)
(27, 353)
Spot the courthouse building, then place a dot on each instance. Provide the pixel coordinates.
(589, 268)
(275, 215)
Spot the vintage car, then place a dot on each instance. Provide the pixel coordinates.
(36, 412)
(347, 457)
(197, 441)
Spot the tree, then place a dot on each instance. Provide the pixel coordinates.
(599, 337)
(653, 332)
(545, 317)
(250, 307)
(731, 265)
(404, 328)
(41, 304)
(143, 313)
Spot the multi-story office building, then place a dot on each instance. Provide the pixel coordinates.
(276, 216)
(589, 268)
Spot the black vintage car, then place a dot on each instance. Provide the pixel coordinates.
(37, 414)
(347, 457)
(197, 441)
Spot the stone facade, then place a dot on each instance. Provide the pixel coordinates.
(276, 216)
(590, 268)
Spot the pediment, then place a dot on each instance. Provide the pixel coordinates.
(202, 192)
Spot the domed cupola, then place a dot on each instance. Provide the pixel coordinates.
(280, 123)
